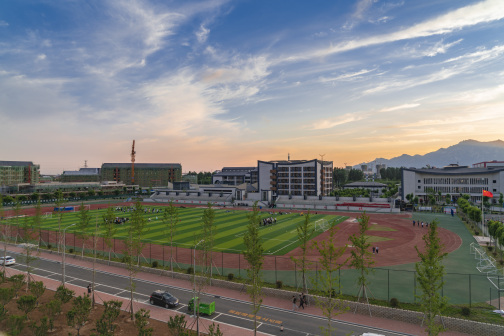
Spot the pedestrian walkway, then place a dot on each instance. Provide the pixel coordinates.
(164, 314)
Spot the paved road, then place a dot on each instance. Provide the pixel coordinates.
(228, 310)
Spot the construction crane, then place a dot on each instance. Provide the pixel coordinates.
(133, 163)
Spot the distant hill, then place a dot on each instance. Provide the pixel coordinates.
(465, 153)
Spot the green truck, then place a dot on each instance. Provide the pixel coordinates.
(204, 308)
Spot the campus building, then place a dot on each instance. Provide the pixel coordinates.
(146, 174)
(294, 178)
(453, 180)
(235, 176)
(81, 175)
(15, 172)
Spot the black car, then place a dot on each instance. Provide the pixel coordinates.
(164, 299)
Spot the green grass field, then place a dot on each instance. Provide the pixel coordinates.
(277, 239)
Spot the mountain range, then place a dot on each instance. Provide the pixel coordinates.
(465, 153)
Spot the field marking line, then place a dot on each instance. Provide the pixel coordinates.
(283, 247)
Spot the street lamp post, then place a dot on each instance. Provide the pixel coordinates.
(64, 252)
(194, 287)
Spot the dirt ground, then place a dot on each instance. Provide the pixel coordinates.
(124, 325)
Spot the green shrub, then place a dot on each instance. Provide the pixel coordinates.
(155, 264)
(466, 311)
(230, 276)
(49, 246)
(476, 233)
(189, 270)
(71, 250)
(394, 303)
(490, 248)
(279, 284)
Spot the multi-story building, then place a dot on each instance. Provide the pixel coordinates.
(235, 175)
(81, 175)
(146, 174)
(15, 172)
(453, 180)
(294, 178)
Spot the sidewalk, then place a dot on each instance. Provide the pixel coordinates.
(164, 314)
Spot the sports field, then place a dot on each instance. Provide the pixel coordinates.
(278, 238)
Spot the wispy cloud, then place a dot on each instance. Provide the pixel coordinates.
(484, 11)
(347, 76)
(337, 121)
(399, 107)
(202, 34)
(3, 23)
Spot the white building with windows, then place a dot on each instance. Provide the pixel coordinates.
(453, 180)
(294, 178)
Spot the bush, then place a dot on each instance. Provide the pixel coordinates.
(279, 284)
(189, 270)
(490, 248)
(71, 250)
(466, 311)
(394, 303)
(230, 276)
(155, 264)
(49, 246)
(476, 233)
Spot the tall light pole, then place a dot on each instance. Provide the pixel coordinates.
(195, 302)
(64, 250)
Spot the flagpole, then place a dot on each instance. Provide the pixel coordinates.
(482, 214)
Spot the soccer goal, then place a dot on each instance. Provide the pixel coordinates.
(48, 215)
(322, 225)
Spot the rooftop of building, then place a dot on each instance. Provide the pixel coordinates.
(143, 165)
(16, 163)
(365, 184)
(82, 171)
(456, 170)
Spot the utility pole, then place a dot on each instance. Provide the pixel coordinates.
(133, 163)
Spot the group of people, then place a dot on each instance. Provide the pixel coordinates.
(269, 221)
(418, 223)
(301, 299)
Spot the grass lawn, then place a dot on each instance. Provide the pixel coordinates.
(277, 239)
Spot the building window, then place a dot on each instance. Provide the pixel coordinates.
(419, 181)
(494, 181)
(419, 187)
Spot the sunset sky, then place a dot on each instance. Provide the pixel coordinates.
(226, 83)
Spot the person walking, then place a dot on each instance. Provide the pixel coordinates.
(89, 290)
(301, 301)
(376, 249)
(294, 303)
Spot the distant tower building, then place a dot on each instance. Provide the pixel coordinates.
(379, 167)
(364, 167)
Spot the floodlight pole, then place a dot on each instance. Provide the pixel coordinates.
(64, 250)
(194, 287)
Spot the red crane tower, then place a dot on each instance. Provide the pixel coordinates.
(133, 163)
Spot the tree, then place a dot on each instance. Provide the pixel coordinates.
(59, 204)
(64, 294)
(326, 279)
(6, 295)
(253, 254)
(17, 282)
(29, 250)
(105, 325)
(360, 256)
(355, 175)
(304, 235)
(52, 309)
(214, 330)
(16, 324)
(37, 220)
(42, 329)
(142, 321)
(83, 225)
(177, 325)
(340, 177)
(26, 304)
(37, 288)
(133, 249)
(171, 220)
(501, 199)
(430, 272)
(208, 232)
(109, 229)
(79, 314)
